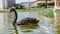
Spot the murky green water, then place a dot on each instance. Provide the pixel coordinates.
(45, 25)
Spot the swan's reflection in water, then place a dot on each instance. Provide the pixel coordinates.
(27, 28)
(31, 26)
(15, 28)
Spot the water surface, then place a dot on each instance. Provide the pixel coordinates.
(45, 25)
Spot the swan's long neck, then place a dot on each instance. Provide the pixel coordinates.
(15, 18)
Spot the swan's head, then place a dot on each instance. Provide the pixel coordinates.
(11, 10)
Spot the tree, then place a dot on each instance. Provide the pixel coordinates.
(51, 4)
(46, 4)
(41, 4)
(20, 6)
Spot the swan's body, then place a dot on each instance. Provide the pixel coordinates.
(23, 21)
(28, 21)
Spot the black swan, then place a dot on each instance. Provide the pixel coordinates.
(23, 21)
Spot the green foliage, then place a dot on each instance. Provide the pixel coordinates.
(21, 6)
(13, 7)
(41, 4)
(50, 4)
(44, 4)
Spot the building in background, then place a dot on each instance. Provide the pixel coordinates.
(27, 4)
(57, 4)
(42, 1)
(4, 4)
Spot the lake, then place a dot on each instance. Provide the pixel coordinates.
(46, 25)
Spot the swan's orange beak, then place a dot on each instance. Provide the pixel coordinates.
(10, 10)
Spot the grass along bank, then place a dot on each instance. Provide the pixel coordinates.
(46, 12)
(30, 10)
